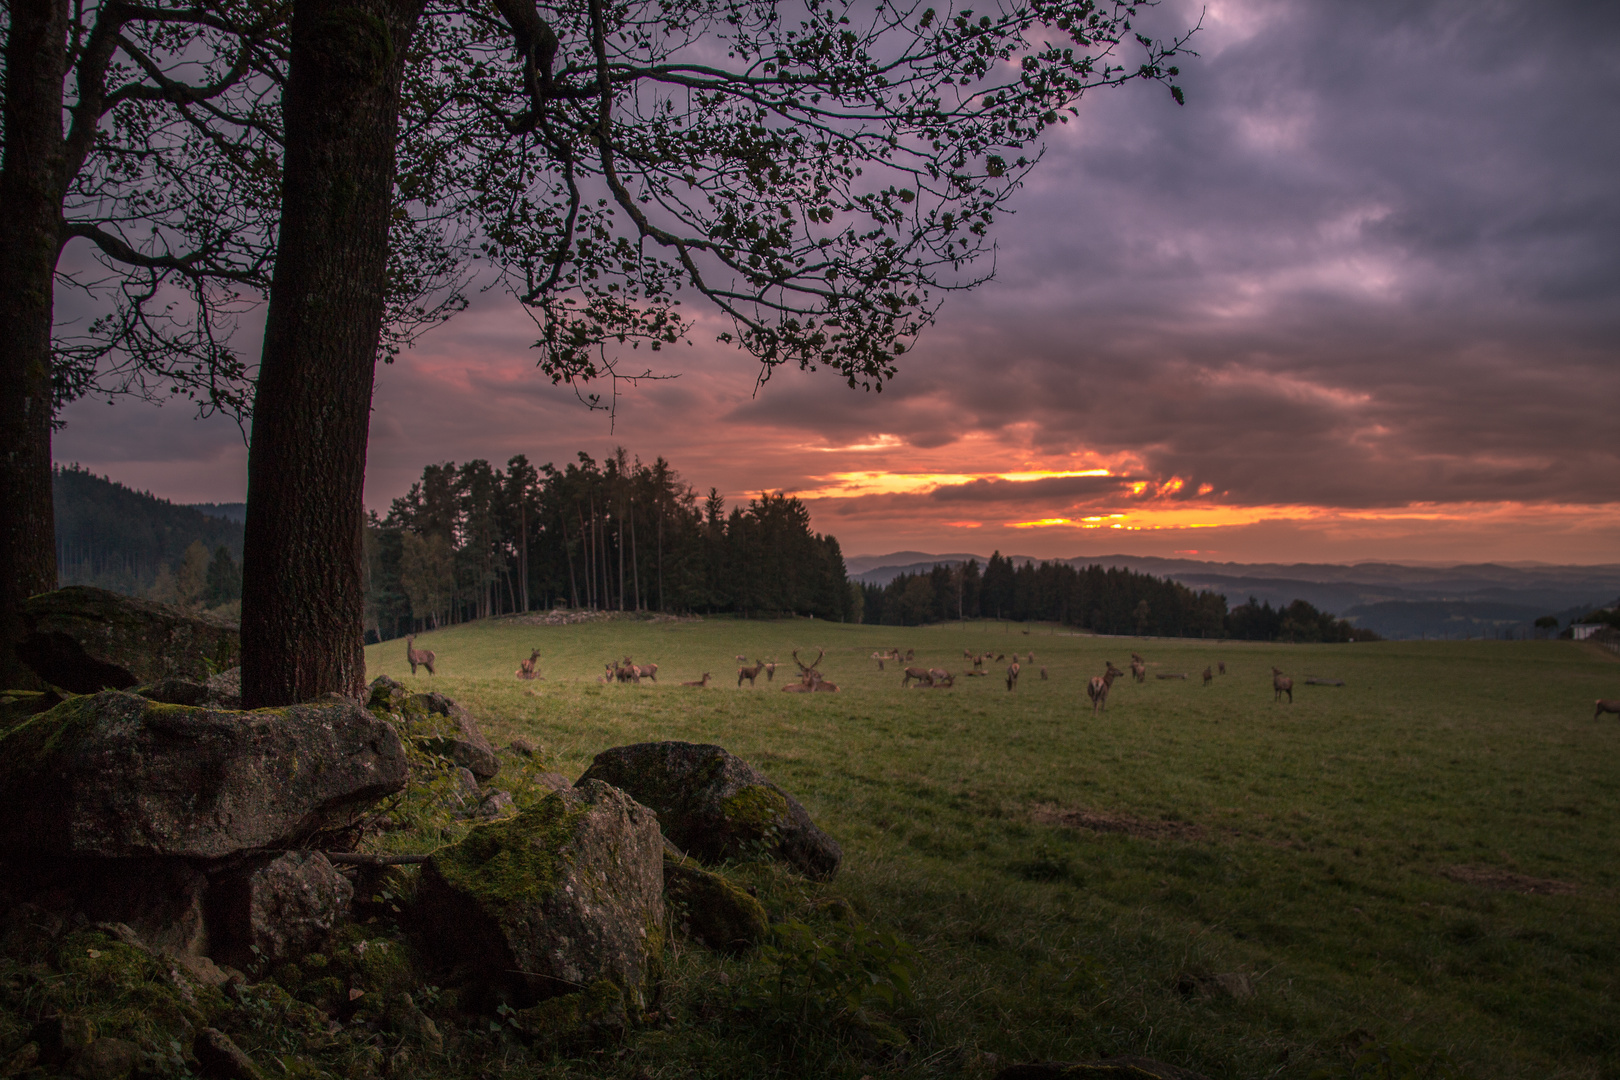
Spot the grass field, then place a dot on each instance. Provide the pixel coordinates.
(1425, 860)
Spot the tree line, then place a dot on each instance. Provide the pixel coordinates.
(1104, 600)
(472, 541)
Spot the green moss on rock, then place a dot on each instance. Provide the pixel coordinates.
(511, 862)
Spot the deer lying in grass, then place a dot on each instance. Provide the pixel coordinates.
(1609, 706)
(1281, 684)
(526, 670)
(1209, 676)
(1012, 676)
(810, 677)
(749, 673)
(418, 657)
(1097, 689)
(700, 683)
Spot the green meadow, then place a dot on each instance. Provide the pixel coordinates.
(1418, 870)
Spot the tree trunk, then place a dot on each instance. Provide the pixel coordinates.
(31, 180)
(302, 601)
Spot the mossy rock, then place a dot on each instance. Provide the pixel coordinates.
(716, 806)
(435, 724)
(114, 775)
(593, 1015)
(712, 910)
(568, 892)
(85, 639)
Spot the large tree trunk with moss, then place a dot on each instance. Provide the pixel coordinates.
(31, 181)
(303, 604)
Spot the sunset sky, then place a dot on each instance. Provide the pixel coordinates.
(1358, 299)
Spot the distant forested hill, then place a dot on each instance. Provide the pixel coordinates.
(110, 536)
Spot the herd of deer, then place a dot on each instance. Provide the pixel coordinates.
(812, 681)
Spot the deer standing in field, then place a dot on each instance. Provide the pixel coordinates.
(749, 673)
(647, 671)
(1281, 684)
(1097, 689)
(942, 679)
(1610, 706)
(1220, 667)
(770, 671)
(526, 670)
(1012, 675)
(1043, 674)
(700, 683)
(920, 674)
(1138, 669)
(1031, 660)
(418, 657)
(1209, 676)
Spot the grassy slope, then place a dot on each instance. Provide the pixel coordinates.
(1310, 855)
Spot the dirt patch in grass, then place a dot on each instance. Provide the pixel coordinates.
(1099, 821)
(1491, 877)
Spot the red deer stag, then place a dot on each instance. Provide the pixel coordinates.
(1609, 706)
(749, 673)
(1282, 684)
(526, 670)
(418, 657)
(810, 677)
(699, 682)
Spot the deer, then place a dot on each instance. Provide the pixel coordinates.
(699, 683)
(1043, 674)
(1000, 657)
(1209, 676)
(967, 654)
(741, 659)
(810, 678)
(978, 660)
(418, 657)
(1607, 706)
(647, 671)
(920, 674)
(526, 670)
(770, 671)
(1138, 669)
(749, 673)
(1097, 689)
(911, 654)
(1031, 660)
(1282, 684)
(942, 679)
(1012, 675)
(1220, 667)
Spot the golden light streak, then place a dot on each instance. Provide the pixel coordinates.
(846, 485)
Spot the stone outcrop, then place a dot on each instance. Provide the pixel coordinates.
(437, 724)
(710, 909)
(85, 639)
(114, 775)
(276, 910)
(566, 895)
(714, 805)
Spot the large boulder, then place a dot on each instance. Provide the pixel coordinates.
(710, 909)
(276, 910)
(567, 895)
(437, 724)
(84, 640)
(714, 805)
(114, 775)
